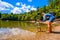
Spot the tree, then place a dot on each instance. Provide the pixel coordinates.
(0, 15)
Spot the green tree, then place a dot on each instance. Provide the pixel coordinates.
(0, 15)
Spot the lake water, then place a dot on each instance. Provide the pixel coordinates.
(8, 28)
(21, 25)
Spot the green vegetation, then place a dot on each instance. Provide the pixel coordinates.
(54, 5)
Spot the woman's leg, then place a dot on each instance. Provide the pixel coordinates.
(51, 19)
(49, 27)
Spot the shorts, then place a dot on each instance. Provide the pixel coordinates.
(51, 19)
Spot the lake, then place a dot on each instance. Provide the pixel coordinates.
(21, 25)
(12, 30)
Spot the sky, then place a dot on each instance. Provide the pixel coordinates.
(20, 6)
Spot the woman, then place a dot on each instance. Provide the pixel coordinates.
(51, 17)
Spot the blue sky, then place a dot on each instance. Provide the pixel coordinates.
(19, 6)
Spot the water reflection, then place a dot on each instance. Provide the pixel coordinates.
(21, 25)
(13, 24)
(17, 29)
(7, 32)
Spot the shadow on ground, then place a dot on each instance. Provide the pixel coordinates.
(55, 32)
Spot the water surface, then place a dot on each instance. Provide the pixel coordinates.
(16, 29)
(21, 25)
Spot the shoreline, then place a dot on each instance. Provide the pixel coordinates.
(55, 21)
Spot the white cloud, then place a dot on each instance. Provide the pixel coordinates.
(18, 3)
(1, 8)
(27, 8)
(29, 0)
(5, 6)
(23, 7)
(16, 10)
(32, 8)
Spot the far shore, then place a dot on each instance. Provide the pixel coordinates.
(55, 21)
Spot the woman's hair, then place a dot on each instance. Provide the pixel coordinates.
(42, 13)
